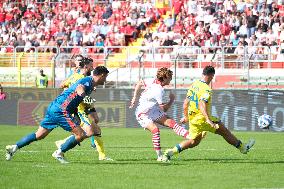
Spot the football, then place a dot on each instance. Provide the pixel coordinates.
(264, 121)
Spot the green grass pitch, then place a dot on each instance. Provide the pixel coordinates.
(213, 164)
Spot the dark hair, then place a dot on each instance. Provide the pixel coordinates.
(83, 60)
(208, 70)
(100, 70)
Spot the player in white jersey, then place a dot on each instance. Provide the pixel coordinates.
(151, 109)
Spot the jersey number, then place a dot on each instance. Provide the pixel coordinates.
(193, 98)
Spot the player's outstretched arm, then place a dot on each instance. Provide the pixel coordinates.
(136, 90)
(166, 107)
(185, 111)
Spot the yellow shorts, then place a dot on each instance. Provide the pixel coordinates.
(198, 124)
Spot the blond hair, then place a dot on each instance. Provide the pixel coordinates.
(164, 73)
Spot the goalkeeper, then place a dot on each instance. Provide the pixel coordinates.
(86, 111)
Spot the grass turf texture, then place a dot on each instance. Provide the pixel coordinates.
(213, 164)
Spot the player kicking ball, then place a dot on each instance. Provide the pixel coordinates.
(151, 108)
(197, 111)
(60, 113)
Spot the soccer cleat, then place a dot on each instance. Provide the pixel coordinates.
(59, 143)
(160, 158)
(203, 134)
(105, 159)
(93, 146)
(246, 147)
(10, 151)
(168, 154)
(59, 156)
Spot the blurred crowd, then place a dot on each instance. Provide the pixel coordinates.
(201, 23)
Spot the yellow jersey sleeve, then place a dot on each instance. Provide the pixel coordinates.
(205, 95)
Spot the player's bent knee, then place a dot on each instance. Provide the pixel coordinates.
(97, 130)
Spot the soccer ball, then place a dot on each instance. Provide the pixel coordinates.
(264, 121)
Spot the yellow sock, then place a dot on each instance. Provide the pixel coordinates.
(175, 150)
(100, 147)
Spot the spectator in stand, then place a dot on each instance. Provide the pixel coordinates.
(99, 45)
(141, 22)
(215, 29)
(76, 36)
(222, 41)
(235, 39)
(2, 94)
(210, 45)
(261, 25)
(251, 23)
(243, 42)
(105, 28)
(19, 43)
(240, 52)
(148, 34)
(178, 5)
(59, 36)
(230, 49)
(119, 38)
(260, 34)
(243, 31)
(169, 22)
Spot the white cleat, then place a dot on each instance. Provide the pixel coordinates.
(105, 159)
(59, 156)
(10, 151)
(168, 154)
(160, 158)
(246, 147)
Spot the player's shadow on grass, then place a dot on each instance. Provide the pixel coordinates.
(233, 160)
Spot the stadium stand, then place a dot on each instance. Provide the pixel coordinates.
(134, 33)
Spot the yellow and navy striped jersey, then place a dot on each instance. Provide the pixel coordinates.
(198, 91)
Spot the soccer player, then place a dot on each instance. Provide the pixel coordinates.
(197, 111)
(60, 113)
(151, 108)
(86, 111)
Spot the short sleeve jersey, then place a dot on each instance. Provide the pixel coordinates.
(198, 91)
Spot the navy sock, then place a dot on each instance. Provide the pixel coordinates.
(69, 144)
(178, 148)
(238, 144)
(26, 140)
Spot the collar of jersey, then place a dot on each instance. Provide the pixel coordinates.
(202, 81)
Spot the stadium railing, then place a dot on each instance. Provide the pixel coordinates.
(129, 63)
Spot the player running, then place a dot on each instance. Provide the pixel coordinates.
(197, 111)
(60, 113)
(86, 110)
(151, 108)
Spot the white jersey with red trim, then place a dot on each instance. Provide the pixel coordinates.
(152, 95)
